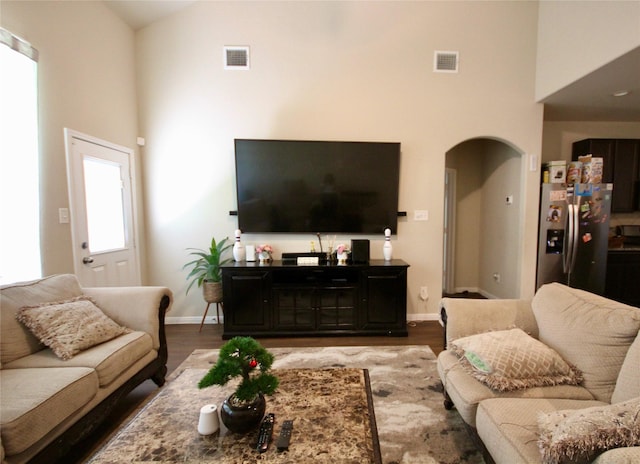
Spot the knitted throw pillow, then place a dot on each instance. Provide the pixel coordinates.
(581, 434)
(507, 360)
(71, 326)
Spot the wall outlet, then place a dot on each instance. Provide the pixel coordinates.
(424, 293)
(497, 277)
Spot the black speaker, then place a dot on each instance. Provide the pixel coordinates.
(360, 251)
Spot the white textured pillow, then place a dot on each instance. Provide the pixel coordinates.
(508, 360)
(71, 326)
(579, 435)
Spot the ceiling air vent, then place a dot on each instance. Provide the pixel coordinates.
(236, 57)
(445, 62)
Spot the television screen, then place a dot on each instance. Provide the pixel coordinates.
(315, 186)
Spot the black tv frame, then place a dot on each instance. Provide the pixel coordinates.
(314, 186)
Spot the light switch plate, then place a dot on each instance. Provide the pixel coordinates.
(63, 215)
(421, 215)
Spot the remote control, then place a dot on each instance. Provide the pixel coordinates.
(266, 430)
(285, 435)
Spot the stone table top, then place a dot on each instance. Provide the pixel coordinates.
(331, 410)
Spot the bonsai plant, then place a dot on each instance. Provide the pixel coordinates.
(243, 357)
(206, 268)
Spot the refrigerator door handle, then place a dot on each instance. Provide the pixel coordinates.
(576, 233)
(568, 248)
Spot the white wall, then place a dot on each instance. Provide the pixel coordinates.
(500, 223)
(336, 71)
(467, 159)
(487, 229)
(577, 37)
(86, 74)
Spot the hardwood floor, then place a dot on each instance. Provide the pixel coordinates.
(183, 339)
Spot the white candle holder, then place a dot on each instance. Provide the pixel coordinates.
(209, 422)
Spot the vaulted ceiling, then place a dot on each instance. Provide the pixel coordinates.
(590, 98)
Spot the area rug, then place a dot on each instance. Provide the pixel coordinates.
(413, 426)
(331, 410)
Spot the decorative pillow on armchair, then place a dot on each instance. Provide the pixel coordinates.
(508, 360)
(71, 326)
(581, 434)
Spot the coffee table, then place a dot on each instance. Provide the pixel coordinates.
(331, 409)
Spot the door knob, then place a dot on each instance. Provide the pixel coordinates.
(87, 260)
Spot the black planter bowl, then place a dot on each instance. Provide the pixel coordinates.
(242, 418)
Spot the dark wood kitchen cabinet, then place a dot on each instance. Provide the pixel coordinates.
(278, 299)
(621, 166)
(623, 276)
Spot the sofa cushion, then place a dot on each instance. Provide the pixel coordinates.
(34, 401)
(71, 326)
(628, 384)
(109, 359)
(570, 435)
(628, 455)
(467, 392)
(16, 340)
(509, 427)
(589, 331)
(506, 360)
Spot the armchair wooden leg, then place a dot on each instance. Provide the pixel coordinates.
(448, 404)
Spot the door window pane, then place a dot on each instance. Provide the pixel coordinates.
(105, 211)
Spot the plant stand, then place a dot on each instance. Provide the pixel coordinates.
(218, 305)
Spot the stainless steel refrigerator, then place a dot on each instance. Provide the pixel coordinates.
(573, 235)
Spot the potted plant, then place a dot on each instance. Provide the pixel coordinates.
(264, 252)
(243, 357)
(342, 253)
(205, 270)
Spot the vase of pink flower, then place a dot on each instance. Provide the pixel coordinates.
(342, 253)
(264, 253)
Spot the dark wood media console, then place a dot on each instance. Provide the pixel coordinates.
(279, 299)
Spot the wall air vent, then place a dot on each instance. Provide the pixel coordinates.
(236, 57)
(446, 62)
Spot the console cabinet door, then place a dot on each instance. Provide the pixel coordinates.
(336, 308)
(246, 301)
(294, 308)
(314, 308)
(384, 300)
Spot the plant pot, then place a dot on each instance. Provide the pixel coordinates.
(212, 291)
(243, 417)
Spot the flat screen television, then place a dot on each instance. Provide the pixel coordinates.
(298, 186)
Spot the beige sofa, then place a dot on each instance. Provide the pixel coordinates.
(598, 336)
(49, 404)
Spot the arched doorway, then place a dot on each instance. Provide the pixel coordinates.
(483, 214)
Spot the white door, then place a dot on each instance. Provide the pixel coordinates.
(102, 211)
